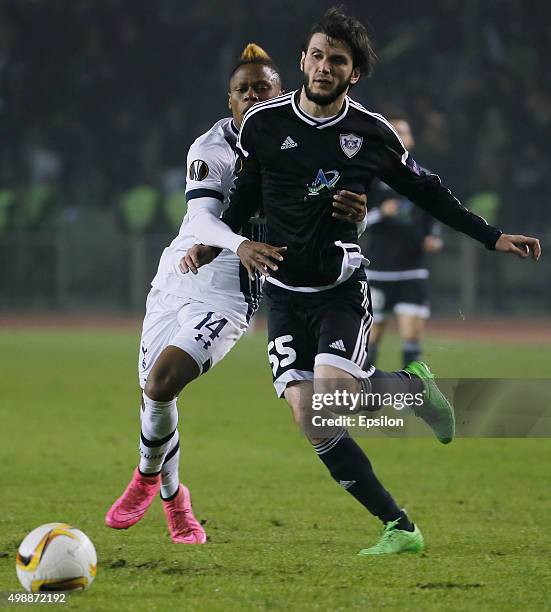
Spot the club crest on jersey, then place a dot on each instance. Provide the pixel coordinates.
(198, 170)
(324, 180)
(350, 144)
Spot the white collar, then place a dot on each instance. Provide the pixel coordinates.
(317, 122)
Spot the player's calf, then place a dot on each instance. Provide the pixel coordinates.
(344, 459)
(159, 423)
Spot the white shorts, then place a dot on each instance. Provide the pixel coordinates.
(197, 328)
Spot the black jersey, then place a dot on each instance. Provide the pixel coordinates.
(292, 165)
(395, 243)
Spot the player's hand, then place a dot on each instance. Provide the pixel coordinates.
(432, 244)
(352, 206)
(521, 246)
(199, 255)
(389, 208)
(257, 256)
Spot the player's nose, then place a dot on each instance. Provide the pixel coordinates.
(324, 67)
(251, 95)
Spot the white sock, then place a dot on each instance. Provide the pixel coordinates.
(170, 478)
(159, 423)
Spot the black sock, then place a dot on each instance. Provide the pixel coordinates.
(350, 467)
(393, 382)
(411, 351)
(404, 522)
(381, 384)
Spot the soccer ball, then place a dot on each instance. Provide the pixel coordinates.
(56, 557)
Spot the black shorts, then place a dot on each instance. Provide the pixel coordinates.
(327, 327)
(401, 297)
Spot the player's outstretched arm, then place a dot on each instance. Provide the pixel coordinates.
(206, 225)
(521, 246)
(399, 171)
(255, 256)
(259, 257)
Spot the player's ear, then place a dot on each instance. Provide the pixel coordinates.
(302, 58)
(229, 101)
(355, 77)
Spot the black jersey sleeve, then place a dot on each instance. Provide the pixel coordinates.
(399, 170)
(246, 196)
(431, 226)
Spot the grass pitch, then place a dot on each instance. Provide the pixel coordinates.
(283, 535)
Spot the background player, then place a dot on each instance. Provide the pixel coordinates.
(192, 322)
(318, 300)
(397, 276)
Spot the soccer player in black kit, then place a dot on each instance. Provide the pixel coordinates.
(298, 150)
(398, 277)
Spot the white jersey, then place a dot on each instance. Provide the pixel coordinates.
(224, 283)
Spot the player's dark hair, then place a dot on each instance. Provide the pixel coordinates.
(254, 54)
(338, 26)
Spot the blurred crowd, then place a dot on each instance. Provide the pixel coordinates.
(98, 97)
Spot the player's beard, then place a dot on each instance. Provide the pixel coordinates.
(328, 98)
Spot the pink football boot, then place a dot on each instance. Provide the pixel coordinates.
(184, 528)
(134, 502)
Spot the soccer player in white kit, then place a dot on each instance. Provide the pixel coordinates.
(193, 320)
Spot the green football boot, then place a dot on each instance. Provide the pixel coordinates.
(436, 411)
(395, 540)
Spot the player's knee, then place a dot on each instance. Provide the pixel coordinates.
(172, 371)
(334, 393)
(163, 387)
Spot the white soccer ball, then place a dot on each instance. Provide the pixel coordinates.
(56, 557)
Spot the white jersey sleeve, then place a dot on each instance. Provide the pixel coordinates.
(222, 285)
(209, 169)
(205, 224)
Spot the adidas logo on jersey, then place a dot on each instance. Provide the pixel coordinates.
(288, 143)
(338, 345)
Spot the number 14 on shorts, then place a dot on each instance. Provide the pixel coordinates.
(213, 326)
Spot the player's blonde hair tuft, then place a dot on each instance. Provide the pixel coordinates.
(254, 53)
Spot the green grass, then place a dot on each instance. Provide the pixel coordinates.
(283, 536)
